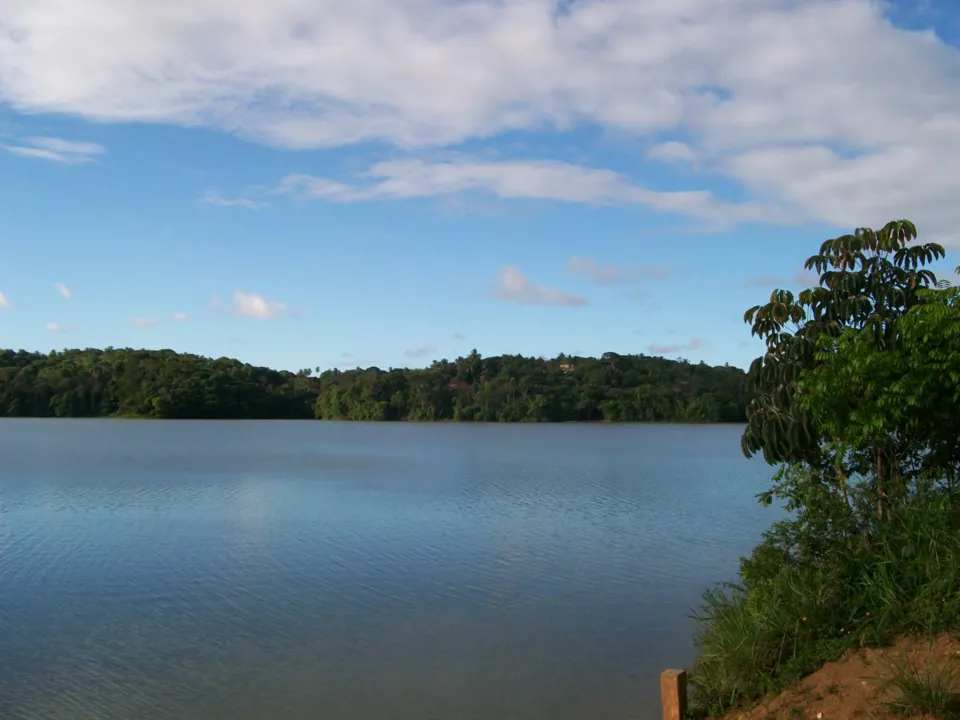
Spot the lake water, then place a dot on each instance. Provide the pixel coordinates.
(285, 570)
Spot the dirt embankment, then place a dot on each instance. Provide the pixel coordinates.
(861, 686)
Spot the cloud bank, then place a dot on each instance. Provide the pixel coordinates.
(822, 111)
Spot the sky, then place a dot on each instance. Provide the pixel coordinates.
(320, 183)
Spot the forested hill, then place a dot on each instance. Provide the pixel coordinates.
(147, 383)
(508, 388)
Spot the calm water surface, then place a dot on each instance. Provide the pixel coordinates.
(283, 570)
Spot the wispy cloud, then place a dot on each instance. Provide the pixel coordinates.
(56, 327)
(213, 197)
(255, 305)
(348, 359)
(766, 280)
(180, 317)
(4, 301)
(420, 352)
(513, 286)
(63, 290)
(56, 149)
(459, 336)
(517, 179)
(612, 274)
(143, 322)
(694, 344)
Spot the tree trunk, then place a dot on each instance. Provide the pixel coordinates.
(879, 462)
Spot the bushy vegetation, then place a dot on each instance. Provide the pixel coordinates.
(926, 690)
(857, 403)
(509, 388)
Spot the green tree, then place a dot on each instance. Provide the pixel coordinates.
(856, 402)
(893, 408)
(867, 281)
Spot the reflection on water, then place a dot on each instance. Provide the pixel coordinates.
(303, 570)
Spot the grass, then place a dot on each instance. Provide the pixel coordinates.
(927, 690)
(788, 617)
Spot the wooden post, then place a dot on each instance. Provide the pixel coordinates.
(673, 694)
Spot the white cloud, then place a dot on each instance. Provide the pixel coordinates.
(62, 289)
(673, 151)
(528, 179)
(55, 149)
(56, 327)
(143, 322)
(513, 286)
(180, 317)
(256, 306)
(611, 274)
(4, 302)
(823, 109)
(213, 197)
(421, 351)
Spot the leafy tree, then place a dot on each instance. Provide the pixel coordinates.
(868, 280)
(897, 404)
(856, 402)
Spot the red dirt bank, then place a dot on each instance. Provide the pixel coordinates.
(855, 687)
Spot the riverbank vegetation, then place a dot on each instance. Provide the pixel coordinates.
(508, 388)
(857, 404)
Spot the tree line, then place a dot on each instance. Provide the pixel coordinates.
(507, 388)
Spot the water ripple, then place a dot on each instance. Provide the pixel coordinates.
(303, 570)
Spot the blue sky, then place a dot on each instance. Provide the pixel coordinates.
(394, 181)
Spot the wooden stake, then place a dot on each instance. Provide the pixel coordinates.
(673, 694)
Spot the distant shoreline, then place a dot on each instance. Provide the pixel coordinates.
(371, 422)
(163, 384)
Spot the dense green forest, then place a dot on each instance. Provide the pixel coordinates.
(147, 383)
(508, 388)
(513, 388)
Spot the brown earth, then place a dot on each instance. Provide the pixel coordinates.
(858, 686)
